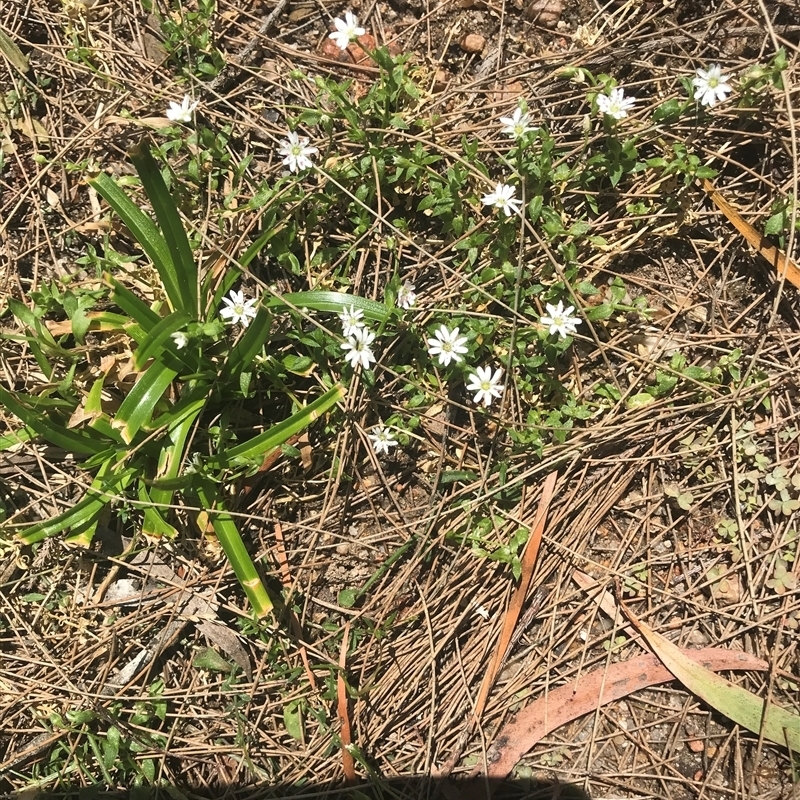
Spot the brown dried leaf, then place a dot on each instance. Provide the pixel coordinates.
(584, 695)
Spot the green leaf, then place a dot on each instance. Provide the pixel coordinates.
(535, 208)
(145, 232)
(579, 228)
(705, 172)
(331, 302)
(755, 713)
(293, 719)
(599, 312)
(347, 598)
(110, 481)
(776, 224)
(250, 344)
(190, 404)
(232, 544)
(299, 365)
(278, 434)
(131, 304)
(154, 523)
(209, 659)
(14, 55)
(153, 344)
(10, 440)
(184, 268)
(137, 408)
(171, 457)
(640, 400)
(73, 441)
(456, 475)
(148, 768)
(111, 747)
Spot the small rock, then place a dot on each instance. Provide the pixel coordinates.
(695, 745)
(472, 43)
(329, 49)
(546, 13)
(358, 49)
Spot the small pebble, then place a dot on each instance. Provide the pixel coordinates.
(472, 43)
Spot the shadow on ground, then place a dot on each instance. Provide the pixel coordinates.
(407, 789)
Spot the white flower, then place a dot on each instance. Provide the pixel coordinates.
(297, 152)
(407, 296)
(181, 112)
(237, 309)
(447, 345)
(382, 439)
(346, 30)
(485, 385)
(180, 338)
(351, 320)
(517, 125)
(503, 197)
(711, 85)
(358, 348)
(616, 105)
(560, 319)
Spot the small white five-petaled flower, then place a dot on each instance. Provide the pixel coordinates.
(560, 320)
(485, 385)
(518, 124)
(181, 112)
(296, 151)
(615, 104)
(711, 85)
(357, 347)
(407, 296)
(447, 345)
(237, 309)
(347, 29)
(503, 197)
(382, 439)
(351, 320)
(180, 338)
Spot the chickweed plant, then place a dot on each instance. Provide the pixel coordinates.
(361, 167)
(172, 430)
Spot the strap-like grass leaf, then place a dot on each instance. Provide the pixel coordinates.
(154, 523)
(135, 308)
(249, 346)
(85, 513)
(745, 708)
(11, 439)
(279, 433)
(185, 269)
(145, 232)
(137, 408)
(13, 53)
(170, 459)
(153, 344)
(188, 407)
(332, 302)
(73, 441)
(232, 544)
(107, 321)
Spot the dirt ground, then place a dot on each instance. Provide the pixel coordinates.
(152, 638)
